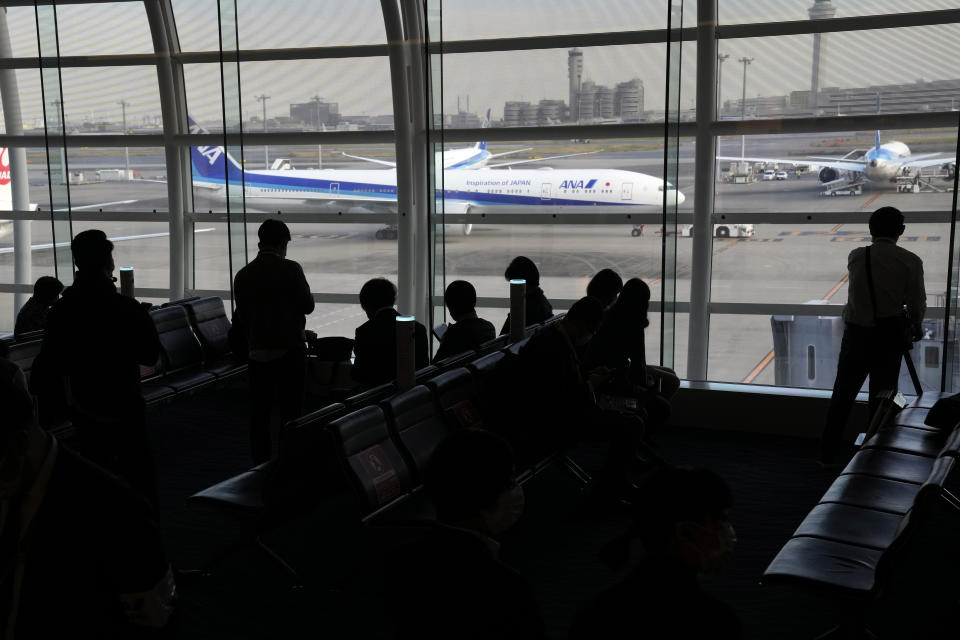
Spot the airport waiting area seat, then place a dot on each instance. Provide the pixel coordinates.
(181, 353)
(897, 500)
(208, 319)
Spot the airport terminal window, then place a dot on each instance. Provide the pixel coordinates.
(328, 23)
(31, 101)
(103, 28)
(92, 98)
(852, 78)
(145, 246)
(746, 11)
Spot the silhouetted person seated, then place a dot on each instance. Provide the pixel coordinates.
(468, 331)
(80, 554)
(33, 314)
(94, 344)
(537, 306)
(375, 343)
(605, 286)
(451, 584)
(683, 524)
(273, 298)
(542, 401)
(619, 346)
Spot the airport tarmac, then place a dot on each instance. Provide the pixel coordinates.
(781, 263)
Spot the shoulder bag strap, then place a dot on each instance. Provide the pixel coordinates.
(873, 294)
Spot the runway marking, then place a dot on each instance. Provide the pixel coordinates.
(767, 359)
(867, 203)
(836, 228)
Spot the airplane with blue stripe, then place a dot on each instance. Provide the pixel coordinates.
(459, 191)
(881, 164)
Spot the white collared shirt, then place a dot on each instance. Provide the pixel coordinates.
(897, 281)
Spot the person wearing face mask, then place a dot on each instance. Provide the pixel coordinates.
(272, 299)
(451, 583)
(89, 360)
(80, 553)
(682, 523)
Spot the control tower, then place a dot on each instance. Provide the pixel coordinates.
(575, 73)
(821, 10)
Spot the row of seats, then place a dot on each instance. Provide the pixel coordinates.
(884, 523)
(195, 350)
(373, 446)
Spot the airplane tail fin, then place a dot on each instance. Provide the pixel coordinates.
(876, 140)
(484, 125)
(6, 191)
(212, 162)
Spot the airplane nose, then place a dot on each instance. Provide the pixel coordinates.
(680, 197)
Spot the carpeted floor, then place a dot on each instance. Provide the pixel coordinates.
(202, 440)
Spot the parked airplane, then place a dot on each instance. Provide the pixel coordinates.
(462, 190)
(883, 163)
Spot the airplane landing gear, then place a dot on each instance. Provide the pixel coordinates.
(387, 233)
(637, 230)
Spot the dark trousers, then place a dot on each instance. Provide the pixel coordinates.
(276, 384)
(121, 447)
(864, 351)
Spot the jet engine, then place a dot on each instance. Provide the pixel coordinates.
(828, 174)
(949, 168)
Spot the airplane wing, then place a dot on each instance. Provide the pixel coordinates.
(547, 159)
(928, 160)
(845, 165)
(374, 160)
(507, 153)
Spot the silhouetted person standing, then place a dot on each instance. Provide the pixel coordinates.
(375, 343)
(451, 583)
(883, 279)
(468, 331)
(272, 299)
(94, 344)
(683, 523)
(80, 553)
(33, 314)
(537, 306)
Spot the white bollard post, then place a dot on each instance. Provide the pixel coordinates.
(518, 310)
(406, 349)
(126, 282)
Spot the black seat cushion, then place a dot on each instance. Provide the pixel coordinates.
(370, 457)
(456, 397)
(417, 424)
(180, 346)
(154, 392)
(881, 494)
(370, 396)
(895, 465)
(914, 418)
(907, 440)
(826, 563)
(456, 360)
(486, 364)
(850, 524)
(187, 380)
(225, 367)
(209, 320)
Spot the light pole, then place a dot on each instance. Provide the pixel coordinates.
(263, 100)
(721, 58)
(316, 100)
(126, 150)
(743, 106)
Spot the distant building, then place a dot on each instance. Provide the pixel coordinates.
(628, 100)
(465, 120)
(316, 112)
(513, 113)
(551, 112)
(586, 102)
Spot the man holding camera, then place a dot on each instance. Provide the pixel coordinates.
(885, 306)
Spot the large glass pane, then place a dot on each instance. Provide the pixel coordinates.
(111, 100)
(328, 22)
(742, 11)
(314, 95)
(592, 85)
(31, 100)
(911, 170)
(467, 20)
(22, 22)
(197, 27)
(850, 78)
(145, 246)
(103, 28)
